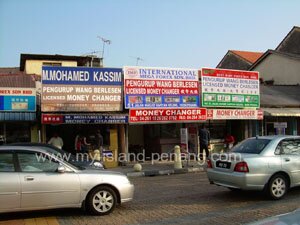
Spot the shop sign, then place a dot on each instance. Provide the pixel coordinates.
(166, 115)
(153, 87)
(230, 88)
(17, 99)
(234, 114)
(81, 89)
(83, 119)
(280, 125)
(184, 139)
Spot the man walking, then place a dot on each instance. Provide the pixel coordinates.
(204, 138)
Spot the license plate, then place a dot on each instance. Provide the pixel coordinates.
(225, 165)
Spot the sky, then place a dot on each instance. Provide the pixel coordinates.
(163, 33)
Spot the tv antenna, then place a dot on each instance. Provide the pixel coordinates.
(105, 41)
(137, 59)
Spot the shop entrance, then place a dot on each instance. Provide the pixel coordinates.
(68, 133)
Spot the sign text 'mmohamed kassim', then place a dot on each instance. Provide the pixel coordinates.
(81, 89)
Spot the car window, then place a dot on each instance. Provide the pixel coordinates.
(290, 147)
(35, 162)
(251, 146)
(6, 162)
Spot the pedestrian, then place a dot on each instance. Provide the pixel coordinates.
(229, 141)
(204, 137)
(78, 142)
(56, 141)
(84, 144)
(98, 140)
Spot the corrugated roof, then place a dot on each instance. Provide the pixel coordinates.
(17, 116)
(17, 80)
(249, 56)
(280, 96)
(9, 70)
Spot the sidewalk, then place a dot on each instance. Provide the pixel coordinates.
(159, 168)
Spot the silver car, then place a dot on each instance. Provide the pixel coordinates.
(269, 163)
(33, 179)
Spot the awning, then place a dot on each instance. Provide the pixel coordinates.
(281, 112)
(17, 116)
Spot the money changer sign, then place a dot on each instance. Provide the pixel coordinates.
(81, 89)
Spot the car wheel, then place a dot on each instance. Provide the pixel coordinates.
(101, 201)
(277, 186)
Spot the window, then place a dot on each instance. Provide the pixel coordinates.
(290, 147)
(252, 146)
(51, 64)
(36, 162)
(6, 162)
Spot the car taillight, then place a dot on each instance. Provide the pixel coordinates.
(209, 163)
(241, 167)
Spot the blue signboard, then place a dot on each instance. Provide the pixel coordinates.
(17, 99)
(83, 119)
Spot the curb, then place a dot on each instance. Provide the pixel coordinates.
(151, 173)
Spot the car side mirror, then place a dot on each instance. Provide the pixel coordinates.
(61, 169)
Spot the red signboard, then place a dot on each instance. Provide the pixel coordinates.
(52, 119)
(166, 115)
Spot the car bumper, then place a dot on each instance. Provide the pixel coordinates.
(126, 193)
(244, 181)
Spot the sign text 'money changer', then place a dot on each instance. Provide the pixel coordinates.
(77, 75)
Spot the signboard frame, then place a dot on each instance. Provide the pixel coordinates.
(159, 87)
(230, 88)
(81, 89)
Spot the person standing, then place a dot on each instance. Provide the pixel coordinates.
(98, 140)
(56, 141)
(229, 141)
(204, 137)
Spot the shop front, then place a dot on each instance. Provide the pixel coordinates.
(84, 103)
(18, 113)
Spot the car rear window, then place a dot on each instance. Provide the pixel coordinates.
(251, 146)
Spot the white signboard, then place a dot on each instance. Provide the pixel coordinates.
(234, 114)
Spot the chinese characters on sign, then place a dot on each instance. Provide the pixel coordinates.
(17, 99)
(150, 87)
(166, 115)
(230, 88)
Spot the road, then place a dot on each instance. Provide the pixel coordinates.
(176, 199)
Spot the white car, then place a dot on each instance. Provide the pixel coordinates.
(270, 163)
(33, 179)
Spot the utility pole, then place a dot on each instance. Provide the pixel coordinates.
(105, 41)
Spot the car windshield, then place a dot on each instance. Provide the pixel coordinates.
(251, 146)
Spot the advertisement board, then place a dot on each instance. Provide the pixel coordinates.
(234, 114)
(153, 87)
(166, 115)
(81, 89)
(230, 88)
(83, 119)
(18, 99)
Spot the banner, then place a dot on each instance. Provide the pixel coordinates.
(83, 119)
(166, 115)
(234, 114)
(230, 88)
(18, 99)
(152, 87)
(81, 89)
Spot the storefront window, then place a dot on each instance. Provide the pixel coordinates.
(17, 132)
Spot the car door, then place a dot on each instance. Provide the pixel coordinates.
(42, 185)
(290, 158)
(10, 189)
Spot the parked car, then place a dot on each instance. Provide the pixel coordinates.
(31, 178)
(51, 149)
(268, 163)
